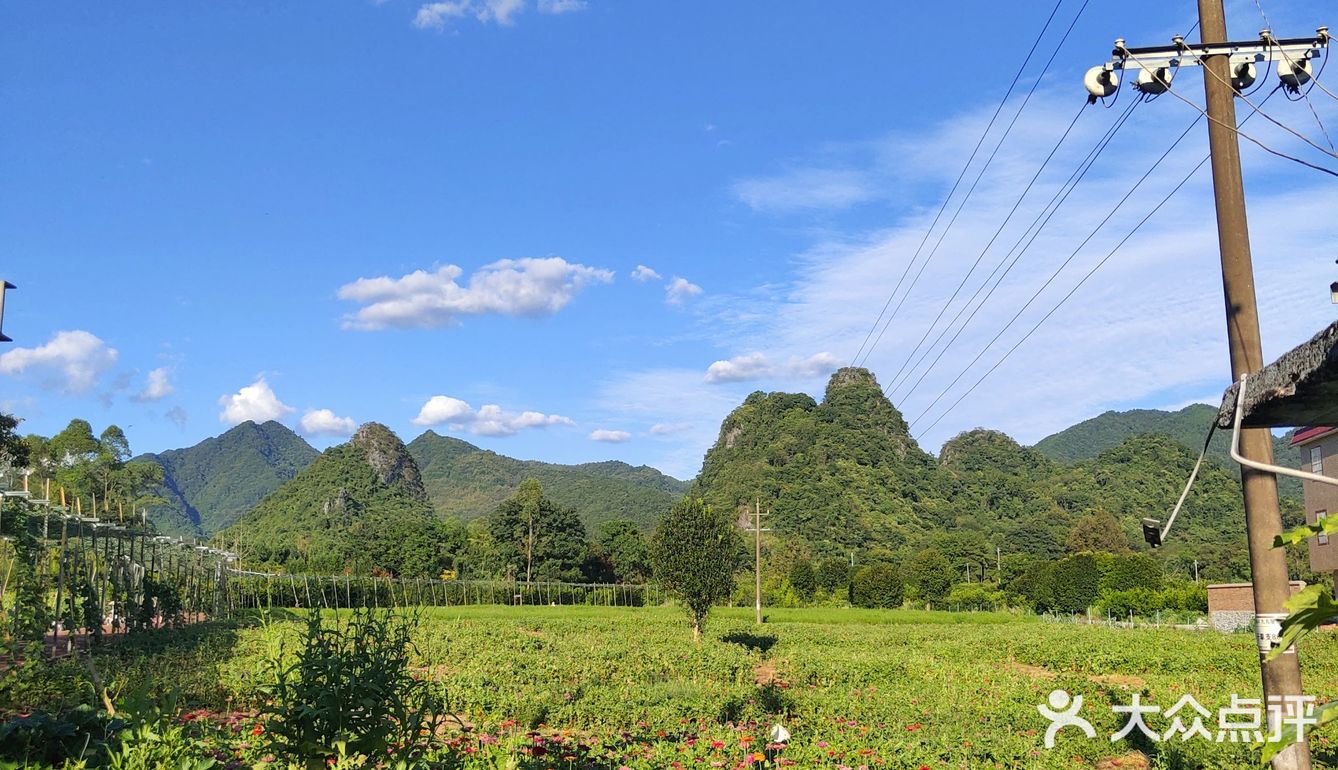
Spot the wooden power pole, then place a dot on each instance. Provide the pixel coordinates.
(1268, 566)
(757, 558)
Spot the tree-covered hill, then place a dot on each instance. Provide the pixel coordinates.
(466, 482)
(845, 476)
(209, 486)
(1187, 426)
(359, 507)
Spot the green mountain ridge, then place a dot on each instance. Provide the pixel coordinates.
(844, 475)
(466, 482)
(359, 507)
(208, 486)
(1188, 426)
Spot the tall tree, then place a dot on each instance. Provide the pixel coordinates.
(931, 574)
(1098, 532)
(696, 552)
(13, 450)
(535, 538)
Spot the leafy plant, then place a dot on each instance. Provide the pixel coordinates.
(696, 552)
(349, 683)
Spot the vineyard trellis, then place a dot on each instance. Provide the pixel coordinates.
(247, 590)
(65, 575)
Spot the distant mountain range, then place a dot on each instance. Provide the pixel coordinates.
(359, 506)
(210, 485)
(1188, 426)
(467, 482)
(207, 487)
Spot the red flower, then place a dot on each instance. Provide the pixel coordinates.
(257, 730)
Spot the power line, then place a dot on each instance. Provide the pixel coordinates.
(1033, 230)
(1076, 286)
(997, 232)
(1058, 270)
(976, 181)
(1244, 135)
(1071, 292)
(1036, 43)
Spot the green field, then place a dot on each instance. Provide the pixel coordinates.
(625, 687)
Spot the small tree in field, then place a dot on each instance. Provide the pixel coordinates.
(696, 552)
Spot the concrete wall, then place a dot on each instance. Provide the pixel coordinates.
(1231, 605)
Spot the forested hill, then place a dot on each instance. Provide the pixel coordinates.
(359, 506)
(1187, 426)
(467, 482)
(845, 475)
(208, 486)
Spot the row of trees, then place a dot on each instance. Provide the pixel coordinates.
(96, 471)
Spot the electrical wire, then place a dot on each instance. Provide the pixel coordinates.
(1076, 286)
(1244, 135)
(979, 175)
(1017, 204)
(965, 167)
(1058, 270)
(1029, 235)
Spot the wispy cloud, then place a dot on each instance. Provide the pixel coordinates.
(642, 274)
(439, 15)
(515, 287)
(562, 6)
(757, 366)
(680, 290)
(610, 436)
(156, 387)
(807, 188)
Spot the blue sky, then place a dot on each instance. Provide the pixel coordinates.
(434, 215)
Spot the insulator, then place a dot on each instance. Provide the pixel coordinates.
(1154, 81)
(1243, 76)
(1101, 81)
(1294, 73)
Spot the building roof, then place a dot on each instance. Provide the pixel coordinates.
(1300, 388)
(1306, 435)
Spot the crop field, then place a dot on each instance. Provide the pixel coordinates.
(543, 687)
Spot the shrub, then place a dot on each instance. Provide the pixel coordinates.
(877, 585)
(1076, 583)
(804, 579)
(1121, 573)
(833, 574)
(349, 684)
(980, 596)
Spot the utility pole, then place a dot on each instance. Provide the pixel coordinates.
(1228, 66)
(1268, 565)
(757, 557)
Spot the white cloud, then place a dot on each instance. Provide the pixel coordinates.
(1144, 332)
(156, 387)
(488, 420)
(750, 366)
(323, 422)
(816, 365)
(756, 366)
(527, 287)
(806, 188)
(437, 15)
(679, 290)
(255, 402)
(669, 428)
(610, 436)
(643, 274)
(72, 361)
(562, 6)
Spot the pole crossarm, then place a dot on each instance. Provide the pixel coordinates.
(1156, 64)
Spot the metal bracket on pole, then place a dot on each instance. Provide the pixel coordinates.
(1265, 467)
(4, 287)
(1156, 65)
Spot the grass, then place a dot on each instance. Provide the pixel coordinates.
(856, 688)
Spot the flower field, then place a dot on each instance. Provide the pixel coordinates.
(563, 687)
